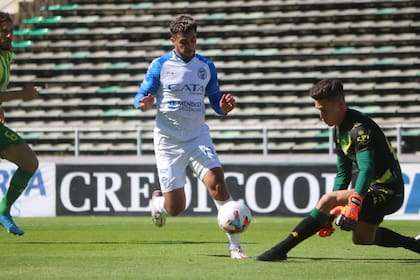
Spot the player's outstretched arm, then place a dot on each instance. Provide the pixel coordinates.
(25, 94)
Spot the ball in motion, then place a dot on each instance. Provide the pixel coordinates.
(234, 217)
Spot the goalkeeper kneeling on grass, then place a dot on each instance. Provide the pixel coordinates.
(378, 189)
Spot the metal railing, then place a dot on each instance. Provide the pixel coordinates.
(263, 133)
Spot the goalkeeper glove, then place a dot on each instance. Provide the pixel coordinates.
(348, 215)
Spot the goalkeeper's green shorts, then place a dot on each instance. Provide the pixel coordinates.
(8, 137)
(380, 201)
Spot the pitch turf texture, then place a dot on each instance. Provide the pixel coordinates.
(190, 248)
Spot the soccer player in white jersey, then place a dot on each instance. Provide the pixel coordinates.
(180, 80)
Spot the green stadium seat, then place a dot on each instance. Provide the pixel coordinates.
(383, 49)
(210, 41)
(111, 113)
(38, 32)
(119, 65)
(410, 132)
(129, 113)
(109, 89)
(387, 60)
(385, 11)
(216, 16)
(343, 50)
(63, 66)
(79, 55)
(41, 19)
(31, 135)
(32, 20)
(142, 6)
(59, 7)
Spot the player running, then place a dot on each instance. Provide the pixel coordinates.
(180, 80)
(12, 146)
(378, 189)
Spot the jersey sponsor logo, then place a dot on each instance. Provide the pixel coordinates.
(178, 103)
(191, 88)
(186, 106)
(362, 137)
(202, 73)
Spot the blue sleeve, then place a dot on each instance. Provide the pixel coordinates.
(213, 90)
(150, 83)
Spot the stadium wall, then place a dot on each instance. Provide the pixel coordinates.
(122, 186)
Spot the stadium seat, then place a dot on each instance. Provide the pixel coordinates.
(90, 58)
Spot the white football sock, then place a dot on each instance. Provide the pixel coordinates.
(220, 203)
(233, 238)
(159, 203)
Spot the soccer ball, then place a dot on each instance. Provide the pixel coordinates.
(234, 217)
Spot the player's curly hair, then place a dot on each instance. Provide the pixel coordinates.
(183, 24)
(5, 17)
(326, 89)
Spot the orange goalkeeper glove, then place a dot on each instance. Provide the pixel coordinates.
(348, 215)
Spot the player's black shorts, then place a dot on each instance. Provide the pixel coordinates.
(380, 201)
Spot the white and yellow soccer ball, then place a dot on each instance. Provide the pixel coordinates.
(234, 217)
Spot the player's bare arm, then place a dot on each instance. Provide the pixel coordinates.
(147, 102)
(25, 94)
(227, 103)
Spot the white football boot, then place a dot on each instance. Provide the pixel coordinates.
(237, 253)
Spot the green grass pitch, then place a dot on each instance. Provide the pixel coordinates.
(190, 248)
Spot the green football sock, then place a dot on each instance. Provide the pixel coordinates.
(306, 228)
(387, 238)
(17, 185)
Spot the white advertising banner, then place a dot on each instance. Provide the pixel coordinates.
(38, 199)
(120, 189)
(410, 210)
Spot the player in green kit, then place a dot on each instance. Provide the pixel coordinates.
(378, 189)
(12, 146)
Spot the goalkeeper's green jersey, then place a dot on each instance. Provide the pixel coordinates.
(5, 61)
(361, 141)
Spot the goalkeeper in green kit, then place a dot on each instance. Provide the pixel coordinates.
(378, 189)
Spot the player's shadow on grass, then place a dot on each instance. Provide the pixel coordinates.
(361, 260)
(134, 242)
(317, 259)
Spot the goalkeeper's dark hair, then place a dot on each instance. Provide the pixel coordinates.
(183, 24)
(5, 17)
(326, 89)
